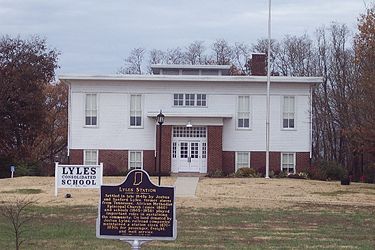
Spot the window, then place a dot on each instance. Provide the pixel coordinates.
(201, 100)
(288, 162)
(178, 99)
(288, 112)
(189, 132)
(243, 112)
(135, 160)
(204, 150)
(189, 99)
(135, 111)
(90, 157)
(242, 160)
(91, 110)
(174, 150)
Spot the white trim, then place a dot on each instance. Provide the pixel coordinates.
(294, 160)
(84, 156)
(153, 114)
(189, 66)
(135, 151)
(194, 78)
(236, 159)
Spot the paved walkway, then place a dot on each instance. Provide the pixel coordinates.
(186, 186)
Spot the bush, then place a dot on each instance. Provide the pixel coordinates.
(24, 169)
(246, 172)
(216, 173)
(282, 174)
(300, 175)
(333, 170)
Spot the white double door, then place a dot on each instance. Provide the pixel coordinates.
(189, 156)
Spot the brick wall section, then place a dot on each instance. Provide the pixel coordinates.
(228, 162)
(258, 65)
(76, 156)
(149, 161)
(214, 148)
(166, 164)
(258, 161)
(115, 162)
(302, 161)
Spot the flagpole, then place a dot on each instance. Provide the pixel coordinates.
(268, 93)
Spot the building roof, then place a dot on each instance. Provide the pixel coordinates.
(191, 78)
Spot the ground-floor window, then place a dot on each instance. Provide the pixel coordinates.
(242, 160)
(90, 157)
(135, 160)
(288, 162)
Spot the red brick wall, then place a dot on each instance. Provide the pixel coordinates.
(302, 161)
(214, 148)
(258, 161)
(76, 156)
(228, 162)
(115, 162)
(149, 161)
(166, 148)
(258, 65)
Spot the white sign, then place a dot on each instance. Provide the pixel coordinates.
(78, 176)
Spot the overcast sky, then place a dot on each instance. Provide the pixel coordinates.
(94, 36)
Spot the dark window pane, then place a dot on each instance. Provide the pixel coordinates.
(132, 121)
(291, 123)
(246, 123)
(285, 123)
(138, 121)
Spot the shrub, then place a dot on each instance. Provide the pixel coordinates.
(333, 170)
(282, 174)
(216, 173)
(246, 172)
(300, 175)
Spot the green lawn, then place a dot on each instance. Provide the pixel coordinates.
(318, 227)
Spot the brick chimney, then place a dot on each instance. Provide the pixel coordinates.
(258, 64)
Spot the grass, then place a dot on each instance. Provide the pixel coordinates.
(24, 191)
(318, 227)
(336, 193)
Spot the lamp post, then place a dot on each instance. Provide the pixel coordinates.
(160, 120)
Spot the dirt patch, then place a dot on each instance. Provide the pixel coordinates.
(219, 193)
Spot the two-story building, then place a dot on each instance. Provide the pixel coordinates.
(213, 121)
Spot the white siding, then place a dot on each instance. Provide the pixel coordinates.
(113, 130)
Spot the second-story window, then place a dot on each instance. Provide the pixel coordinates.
(201, 100)
(288, 112)
(91, 110)
(135, 111)
(189, 100)
(178, 99)
(243, 112)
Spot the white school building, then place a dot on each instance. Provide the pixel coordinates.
(213, 121)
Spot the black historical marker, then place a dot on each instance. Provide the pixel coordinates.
(137, 209)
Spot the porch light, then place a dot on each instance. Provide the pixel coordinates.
(160, 118)
(189, 125)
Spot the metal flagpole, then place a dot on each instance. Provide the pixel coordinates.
(268, 93)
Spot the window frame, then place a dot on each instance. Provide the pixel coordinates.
(130, 161)
(185, 100)
(294, 162)
(141, 111)
(236, 162)
(238, 111)
(85, 156)
(85, 110)
(288, 113)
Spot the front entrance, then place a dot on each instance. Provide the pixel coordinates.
(189, 150)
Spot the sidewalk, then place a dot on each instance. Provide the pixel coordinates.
(186, 186)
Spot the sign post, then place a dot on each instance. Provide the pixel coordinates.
(136, 211)
(12, 170)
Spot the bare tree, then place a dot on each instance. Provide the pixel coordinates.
(134, 62)
(222, 52)
(241, 56)
(195, 53)
(14, 210)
